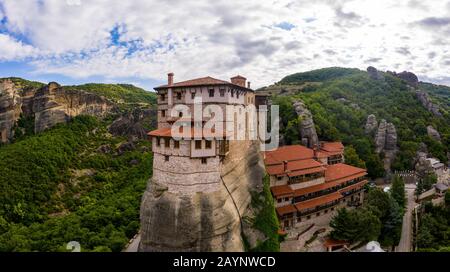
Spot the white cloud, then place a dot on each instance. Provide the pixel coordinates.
(223, 38)
(11, 49)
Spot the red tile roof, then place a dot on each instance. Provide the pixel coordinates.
(332, 146)
(303, 164)
(306, 171)
(286, 209)
(354, 186)
(206, 133)
(320, 187)
(203, 81)
(308, 165)
(282, 190)
(328, 149)
(342, 171)
(318, 201)
(288, 153)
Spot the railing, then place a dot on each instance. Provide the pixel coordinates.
(326, 191)
(318, 208)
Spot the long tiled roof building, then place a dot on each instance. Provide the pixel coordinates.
(308, 185)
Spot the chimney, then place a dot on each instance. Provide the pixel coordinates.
(285, 165)
(248, 85)
(170, 79)
(239, 80)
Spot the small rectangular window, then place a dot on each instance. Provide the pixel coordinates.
(166, 158)
(208, 144)
(176, 144)
(204, 161)
(163, 113)
(232, 93)
(179, 96)
(222, 92)
(318, 214)
(167, 143)
(163, 97)
(279, 200)
(211, 92)
(158, 143)
(193, 95)
(198, 144)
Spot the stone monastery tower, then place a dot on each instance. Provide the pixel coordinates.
(201, 183)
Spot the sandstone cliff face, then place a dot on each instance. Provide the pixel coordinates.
(203, 220)
(386, 142)
(49, 106)
(131, 124)
(425, 100)
(307, 129)
(10, 109)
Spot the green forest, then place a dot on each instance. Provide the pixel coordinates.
(57, 187)
(389, 98)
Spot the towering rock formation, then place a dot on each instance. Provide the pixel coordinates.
(386, 142)
(371, 124)
(433, 133)
(49, 106)
(408, 77)
(307, 129)
(179, 220)
(425, 100)
(374, 73)
(10, 108)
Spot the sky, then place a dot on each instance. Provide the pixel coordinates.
(140, 41)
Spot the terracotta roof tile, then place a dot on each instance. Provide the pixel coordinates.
(207, 133)
(282, 190)
(318, 201)
(321, 187)
(342, 171)
(286, 209)
(288, 153)
(203, 81)
(306, 171)
(354, 186)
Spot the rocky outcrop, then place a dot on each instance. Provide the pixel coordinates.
(371, 124)
(48, 106)
(202, 220)
(386, 137)
(410, 78)
(386, 143)
(425, 100)
(133, 124)
(307, 129)
(53, 105)
(433, 133)
(10, 108)
(374, 73)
